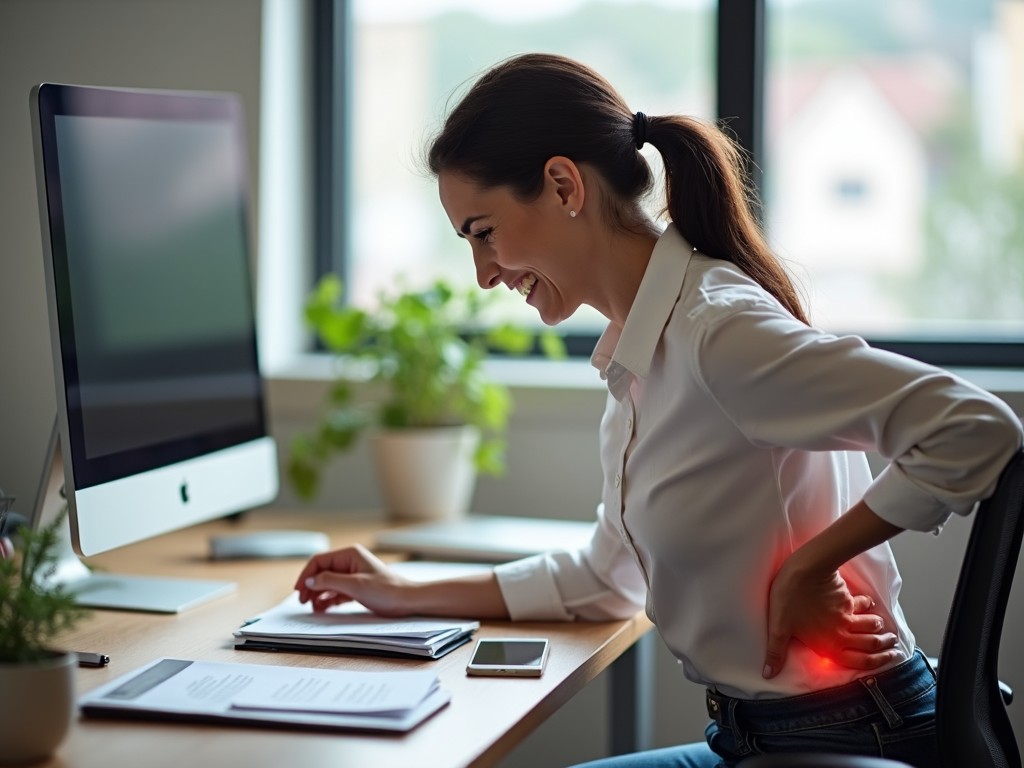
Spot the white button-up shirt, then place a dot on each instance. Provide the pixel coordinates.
(733, 433)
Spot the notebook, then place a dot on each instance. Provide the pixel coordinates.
(350, 628)
(486, 538)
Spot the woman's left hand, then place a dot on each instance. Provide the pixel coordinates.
(819, 610)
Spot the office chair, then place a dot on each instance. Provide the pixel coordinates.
(972, 726)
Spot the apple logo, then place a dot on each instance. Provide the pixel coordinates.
(183, 490)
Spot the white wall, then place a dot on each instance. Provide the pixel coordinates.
(188, 44)
(179, 44)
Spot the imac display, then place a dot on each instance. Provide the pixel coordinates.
(159, 408)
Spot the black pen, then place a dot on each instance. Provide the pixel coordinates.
(93, 659)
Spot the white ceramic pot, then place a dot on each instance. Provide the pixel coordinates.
(427, 474)
(37, 702)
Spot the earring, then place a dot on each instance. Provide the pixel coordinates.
(572, 214)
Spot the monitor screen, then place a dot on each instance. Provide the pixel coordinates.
(144, 211)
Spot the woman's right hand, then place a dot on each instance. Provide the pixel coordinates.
(820, 611)
(354, 573)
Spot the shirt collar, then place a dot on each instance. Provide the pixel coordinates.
(632, 346)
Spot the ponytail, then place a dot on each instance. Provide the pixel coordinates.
(530, 108)
(709, 198)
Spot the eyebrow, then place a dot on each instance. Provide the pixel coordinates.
(467, 223)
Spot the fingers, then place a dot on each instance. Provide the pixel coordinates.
(328, 588)
(870, 643)
(862, 603)
(865, 651)
(774, 661)
(353, 574)
(354, 559)
(775, 654)
(329, 581)
(867, 661)
(317, 563)
(865, 623)
(321, 601)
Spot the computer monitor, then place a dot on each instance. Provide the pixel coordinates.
(159, 399)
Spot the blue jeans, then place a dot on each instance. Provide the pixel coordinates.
(891, 715)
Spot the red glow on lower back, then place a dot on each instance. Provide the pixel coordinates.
(823, 664)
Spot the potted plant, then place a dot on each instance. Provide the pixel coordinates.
(33, 612)
(439, 419)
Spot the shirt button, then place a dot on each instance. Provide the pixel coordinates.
(618, 480)
(629, 423)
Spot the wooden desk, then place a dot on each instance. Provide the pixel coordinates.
(487, 717)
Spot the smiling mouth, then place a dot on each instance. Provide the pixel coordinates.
(526, 285)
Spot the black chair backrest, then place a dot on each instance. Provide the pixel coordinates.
(973, 728)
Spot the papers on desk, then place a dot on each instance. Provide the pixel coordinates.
(350, 628)
(218, 692)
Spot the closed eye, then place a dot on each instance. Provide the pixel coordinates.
(484, 235)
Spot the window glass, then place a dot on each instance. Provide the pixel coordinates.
(412, 59)
(894, 169)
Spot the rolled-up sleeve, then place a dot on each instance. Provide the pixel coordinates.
(783, 383)
(599, 582)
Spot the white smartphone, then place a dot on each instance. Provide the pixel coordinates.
(509, 656)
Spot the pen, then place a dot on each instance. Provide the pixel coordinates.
(93, 659)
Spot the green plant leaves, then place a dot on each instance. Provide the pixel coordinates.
(339, 328)
(423, 349)
(490, 457)
(32, 610)
(495, 406)
(510, 338)
(552, 345)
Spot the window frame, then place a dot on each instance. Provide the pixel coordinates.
(740, 88)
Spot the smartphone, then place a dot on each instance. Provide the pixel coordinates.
(512, 656)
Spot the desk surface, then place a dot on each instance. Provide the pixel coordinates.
(486, 718)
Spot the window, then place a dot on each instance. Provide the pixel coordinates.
(894, 137)
(406, 63)
(887, 139)
(850, 190)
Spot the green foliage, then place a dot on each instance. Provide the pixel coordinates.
(423, 348)
(32, 613)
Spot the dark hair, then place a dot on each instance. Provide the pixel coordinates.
(530, 108)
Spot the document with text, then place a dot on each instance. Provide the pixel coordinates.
(258, 693)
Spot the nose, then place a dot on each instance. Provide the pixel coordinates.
(488, 273)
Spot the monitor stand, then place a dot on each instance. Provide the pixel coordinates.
(99, 589)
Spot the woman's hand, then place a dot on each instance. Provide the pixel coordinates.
(354, 573)
(818, 609)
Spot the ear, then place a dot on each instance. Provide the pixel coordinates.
(563, 184)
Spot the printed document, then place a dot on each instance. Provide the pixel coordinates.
(241, 693)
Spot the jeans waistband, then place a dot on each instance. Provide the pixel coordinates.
(863, 697)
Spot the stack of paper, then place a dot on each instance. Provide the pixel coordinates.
(351, 628)
(259, 693)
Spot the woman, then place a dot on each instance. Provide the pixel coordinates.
(737, 502)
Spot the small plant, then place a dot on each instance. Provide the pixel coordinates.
(423, 347)
(32, 612)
